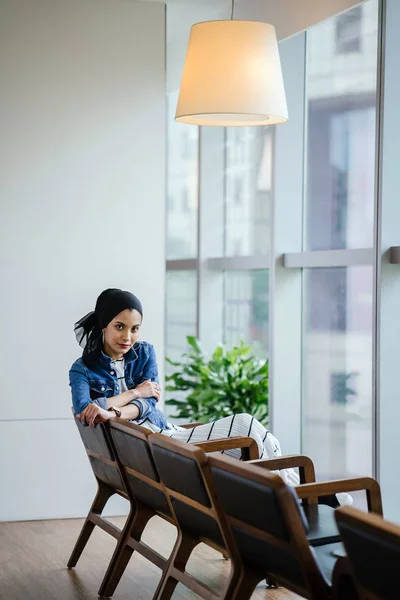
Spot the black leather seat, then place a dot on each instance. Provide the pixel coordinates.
(322, 528)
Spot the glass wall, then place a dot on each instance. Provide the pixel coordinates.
(233, 218)
(182, 185)
(337, 370)
(339, 214)
(248, 191)
(247, 309)
(181, 310)
(219, 232)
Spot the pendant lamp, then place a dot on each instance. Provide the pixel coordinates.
(232, 75)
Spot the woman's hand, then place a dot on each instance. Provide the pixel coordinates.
(148, 389)
(93, 414)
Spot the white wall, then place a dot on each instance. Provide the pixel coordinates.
(82, 208)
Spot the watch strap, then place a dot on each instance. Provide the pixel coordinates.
(117, 411)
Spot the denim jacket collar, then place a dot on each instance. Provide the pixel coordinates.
(130, 357)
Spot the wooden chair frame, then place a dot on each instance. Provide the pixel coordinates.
(128, 538)
(104, 493)
(309, 489)
(372, 524)
(298, 545)
(175, 570)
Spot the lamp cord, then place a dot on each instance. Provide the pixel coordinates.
(233, 8)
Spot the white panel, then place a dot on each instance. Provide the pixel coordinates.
(286, 310)
(45, 473)
(389, 409)
(82, 184)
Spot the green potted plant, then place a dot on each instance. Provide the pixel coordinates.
(225, 383)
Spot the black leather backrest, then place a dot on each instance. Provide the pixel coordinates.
(374, 558)
(134, 452)
(257, 505)
(107, 474)
(148, 495)
(181, 474)
(197, 523)
(238, 494)
(262, 556)
(94, 439)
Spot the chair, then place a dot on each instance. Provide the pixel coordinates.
(188, 484)
(106, 471)
(272, 537)
(130, 445)
(373, 554)
(322, 527)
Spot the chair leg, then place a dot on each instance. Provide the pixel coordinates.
(271, 583)
(246, 586)
(134, 527)
(234, 578)
(104, 493)
(344, 587)
(180, 555)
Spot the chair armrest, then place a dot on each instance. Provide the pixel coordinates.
(303, 463)
(370, 485)
(246, 444)
(191, 425)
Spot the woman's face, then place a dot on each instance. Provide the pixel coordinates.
(121, 333)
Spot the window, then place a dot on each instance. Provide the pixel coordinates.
(185, 201)
(348, 31)
(247, 309)
(323, 319)
(341, 167)
(186, 145)
(337, 402)
(181, 317)
(343, 387)
(235, 199)
(219, 191)
(238, 192)
(337, 367)
(182, 187)
(248, 191)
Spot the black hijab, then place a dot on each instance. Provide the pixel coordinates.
(88, 329)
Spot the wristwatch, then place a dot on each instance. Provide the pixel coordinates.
(117, 411)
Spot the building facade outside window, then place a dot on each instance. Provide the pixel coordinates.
(339, 215)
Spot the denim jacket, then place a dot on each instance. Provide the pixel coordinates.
(99, 382)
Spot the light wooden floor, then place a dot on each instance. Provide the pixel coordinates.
(33, 556)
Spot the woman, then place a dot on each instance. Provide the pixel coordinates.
(117, 376)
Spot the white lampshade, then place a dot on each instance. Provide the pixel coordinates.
(232, 76)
